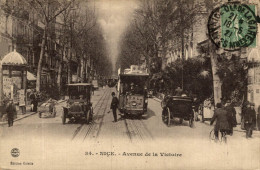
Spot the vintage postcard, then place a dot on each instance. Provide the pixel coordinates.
(129, 84)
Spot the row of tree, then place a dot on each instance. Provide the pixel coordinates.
(74, 25)
(160, 26)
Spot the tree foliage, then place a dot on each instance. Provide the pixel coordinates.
(233, 75)
(197, 77)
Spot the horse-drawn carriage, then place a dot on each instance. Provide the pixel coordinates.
(177, 107)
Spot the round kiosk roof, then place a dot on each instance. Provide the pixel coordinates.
(14, 58)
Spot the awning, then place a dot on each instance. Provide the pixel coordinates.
(30, 76)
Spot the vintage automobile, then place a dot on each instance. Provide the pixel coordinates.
(132, 93)
(177, 107)
(95, 84)
(79, 104)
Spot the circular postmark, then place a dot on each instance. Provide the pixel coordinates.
(233, 26)
(15, 152)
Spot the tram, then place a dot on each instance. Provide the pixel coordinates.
(132, 91)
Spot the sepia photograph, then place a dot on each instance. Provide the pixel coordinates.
(129, 84)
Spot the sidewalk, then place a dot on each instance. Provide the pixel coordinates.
(41, 108)
(20, 116)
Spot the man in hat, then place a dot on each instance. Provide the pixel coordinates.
(10, 110)
(231, 113)
(195, 106)
(222, 125)
(178, 91)
(249, 116)
(114, 105)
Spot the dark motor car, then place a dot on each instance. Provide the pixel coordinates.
(79, 104)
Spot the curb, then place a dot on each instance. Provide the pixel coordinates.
(30, 114)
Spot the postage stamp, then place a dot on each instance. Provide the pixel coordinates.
(233, 26)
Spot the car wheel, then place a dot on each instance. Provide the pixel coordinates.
(91, 114)
(168, 117)
(163, 116)
(88, 116)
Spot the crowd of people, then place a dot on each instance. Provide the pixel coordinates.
(225, 116)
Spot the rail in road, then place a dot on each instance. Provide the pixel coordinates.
(134, 128)
(92, 130)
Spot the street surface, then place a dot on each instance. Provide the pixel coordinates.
(147, 133)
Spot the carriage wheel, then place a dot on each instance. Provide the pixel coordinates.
(164, 115)
(54, 112)
(202, 116)
(168, 117)
(191, 122)
(63, 118)
(88, 116)
(181, 120)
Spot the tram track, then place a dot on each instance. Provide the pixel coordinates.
(98, 105)
(96, 127)
(136, 130)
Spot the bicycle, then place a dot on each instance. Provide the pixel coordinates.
(222, 139)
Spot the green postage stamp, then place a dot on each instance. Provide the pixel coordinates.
(233, 26)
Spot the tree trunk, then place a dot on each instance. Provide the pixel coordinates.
(82, 68)
(59, 76)
(1, 85)
(69, 73)
(216, 79)
(39, 69)
(78, 71)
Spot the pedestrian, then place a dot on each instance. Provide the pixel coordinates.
(249, 116)
(32, 98)
(35, 103)
(220, 115)
(258, 118)
(11, 111)
(195, 106)
(231, 112)
(114, 105)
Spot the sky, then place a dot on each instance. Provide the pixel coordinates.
(114, 17)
